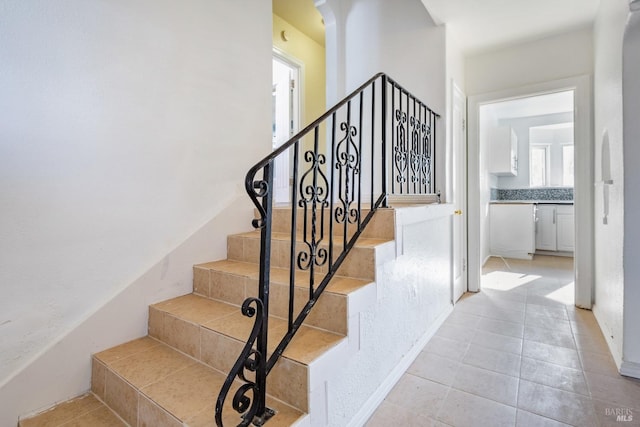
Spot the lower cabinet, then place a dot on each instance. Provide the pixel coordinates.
(555, 228)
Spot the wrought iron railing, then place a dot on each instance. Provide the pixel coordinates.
(328, 208)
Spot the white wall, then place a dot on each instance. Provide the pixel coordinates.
(609, 238)
(631, 111)
(124, 131)
(416, 284)
(553, 58)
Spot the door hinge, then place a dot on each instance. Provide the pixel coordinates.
(464, 124)
(293, 84)
(464, 264)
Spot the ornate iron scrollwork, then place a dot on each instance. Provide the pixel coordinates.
(348, 164)
(314, 194)
(400, 155)
(426, 157)
(249, 360)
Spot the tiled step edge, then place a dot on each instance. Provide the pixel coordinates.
(148, 383)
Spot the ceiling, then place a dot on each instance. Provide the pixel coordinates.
(477, 25)
(303, 15)
(480, 25)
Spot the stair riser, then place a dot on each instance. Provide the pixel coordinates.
(128, 402)
(329, 312)
(287, 381)
(359, 264)
(139, 410)
(381, 225)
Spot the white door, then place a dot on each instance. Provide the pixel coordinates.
(285, 121)
(459, 199)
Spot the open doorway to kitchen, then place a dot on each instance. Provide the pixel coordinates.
(521, 159)
(526, 165)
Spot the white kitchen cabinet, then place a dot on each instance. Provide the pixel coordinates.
(503, 160)
(555, 228)
(546, 226)
(512, 230)
(565, 230)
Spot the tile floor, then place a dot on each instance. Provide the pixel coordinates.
(517, 354)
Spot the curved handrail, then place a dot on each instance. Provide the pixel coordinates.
(329, 196)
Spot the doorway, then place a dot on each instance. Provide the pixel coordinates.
(286, 119)
(480, 188)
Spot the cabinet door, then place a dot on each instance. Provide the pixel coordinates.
(565, 231)
(546, 228)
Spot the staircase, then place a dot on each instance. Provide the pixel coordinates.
(266, 329)
(172, 376)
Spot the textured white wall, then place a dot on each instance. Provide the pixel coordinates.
(631, 111)
(413, 291)
(609, 238)
(125, 129)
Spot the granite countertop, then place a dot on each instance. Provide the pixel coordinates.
(538, 202)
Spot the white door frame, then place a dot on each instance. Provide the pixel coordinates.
(583, 190)
(459, 192)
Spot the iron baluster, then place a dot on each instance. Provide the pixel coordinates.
(324, 191)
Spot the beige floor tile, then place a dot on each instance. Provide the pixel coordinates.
(63, 413)
(452, 349)
(599, 363)
(546, 322)
(552, 375)
(498, 342)
(527, 419)
(151, 415)
(126, 350)
(505, 314)
(550, 353)
(196, 309)
(559, 312)
(518, 296)
(462, 319)
(436, 368)
(501, 327)
(493, 360)
(454, 332)
(491, 385)
(418, 395)
(309, 343)
(559, 405)
(187, 392)
(593, 343)
(623, 391)
(152, 365)
(101, 417)
(462, 409)
(557, 338)
(121, 397)
(390, 414)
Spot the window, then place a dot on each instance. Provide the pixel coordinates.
(567, 165)
(539, 165)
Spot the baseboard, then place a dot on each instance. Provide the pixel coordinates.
(370, 406)
(630, 369)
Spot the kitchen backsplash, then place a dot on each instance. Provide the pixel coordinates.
(532, 194)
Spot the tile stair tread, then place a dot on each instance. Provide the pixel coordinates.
(184, 387)
(339, 284)
(307, 345)
(362, 242)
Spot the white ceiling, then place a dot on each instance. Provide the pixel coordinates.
(303, 15)
(480, 25)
